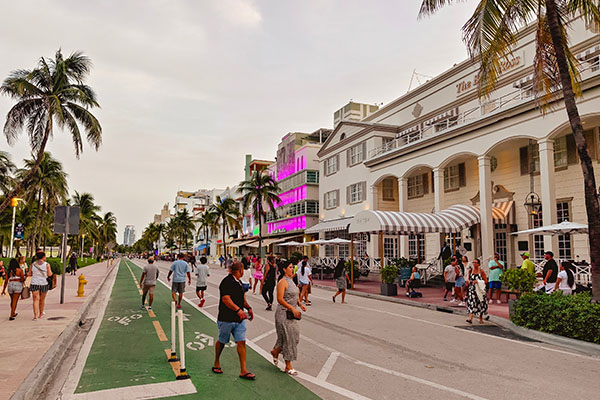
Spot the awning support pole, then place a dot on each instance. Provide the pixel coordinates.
(352, 261)
(381, 255)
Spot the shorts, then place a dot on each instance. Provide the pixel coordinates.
(39, 288)
(178, 287)
(237, 329)
(14, 287)
(495, 285)
(246, 286)
(199, 288)
(148, 289)
(460, 282)
(449, 286)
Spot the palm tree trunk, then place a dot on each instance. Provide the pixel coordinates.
(1, 245)
(41, 226)
(589, 180)
(224, 246)
(206, 240)
(19, 186)
(38, 216)
(260, 228)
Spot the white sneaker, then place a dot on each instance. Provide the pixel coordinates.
(461, 304)
(498, 302)
(453, 301)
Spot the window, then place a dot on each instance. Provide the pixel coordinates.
(332, 199)
(416, 246)
(501, 241)
(564, 241)
(342, 136)
(356, 193)
(390, 247)
(388, 189)
(331, 165)
(312, 176)
(356, 154)
(560, 152)
(538, 240)
(451, 177)
(415, 186)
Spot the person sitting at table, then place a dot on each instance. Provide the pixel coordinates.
(411, 282)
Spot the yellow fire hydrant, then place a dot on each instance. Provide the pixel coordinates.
(82, 282)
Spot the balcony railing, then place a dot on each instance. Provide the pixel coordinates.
(466, 117)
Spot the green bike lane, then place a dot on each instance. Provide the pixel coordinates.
(127, 350)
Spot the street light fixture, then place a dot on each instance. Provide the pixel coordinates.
(14, 202)
(533, 204)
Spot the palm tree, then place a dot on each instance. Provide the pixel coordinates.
(208, 222)
(490, 35)
(227, 212)
(259, 191)
(7, 168)
(89, 218)
(184, 225)
(47, 188)
(107, 229)
(52, 93)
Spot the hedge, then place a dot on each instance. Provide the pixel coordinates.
(55, 263)
(570, 316)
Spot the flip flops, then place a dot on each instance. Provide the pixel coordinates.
(249, 376)
(292, 372)
(217, 370)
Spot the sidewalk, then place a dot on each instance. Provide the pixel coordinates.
(432, 296)
(24, 342)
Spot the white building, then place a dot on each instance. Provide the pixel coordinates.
(441, 145)
(129, 235)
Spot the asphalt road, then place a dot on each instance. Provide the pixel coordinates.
(373, 349)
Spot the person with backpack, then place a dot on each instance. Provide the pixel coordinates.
(341, 278)
(73, 264)
(40, 272)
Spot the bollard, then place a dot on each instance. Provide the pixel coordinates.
(173, 357)
(182, 372)
(82, 282)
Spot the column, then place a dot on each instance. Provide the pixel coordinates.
(548, 189)
(402, 203)
(485, 208)
(434, 240)
(372, 194)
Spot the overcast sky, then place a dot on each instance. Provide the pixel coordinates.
(187, 88)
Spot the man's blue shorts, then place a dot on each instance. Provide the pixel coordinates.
(495, 285)
(237, 329)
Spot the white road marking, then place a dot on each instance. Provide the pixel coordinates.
(150, 391)
(328, 366)
(264, 335)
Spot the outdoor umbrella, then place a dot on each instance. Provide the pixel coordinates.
(337, 241)
(292, 243)
(563, 228)
(314, 242)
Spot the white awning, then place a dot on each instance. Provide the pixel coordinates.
(241, 243)
(332, 225)
(266, 242)
(453, 219)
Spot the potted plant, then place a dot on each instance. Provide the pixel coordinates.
(389, 274)
(356, 270)
(518, 281)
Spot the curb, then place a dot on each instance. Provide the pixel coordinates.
(574, 345)
(42, 373)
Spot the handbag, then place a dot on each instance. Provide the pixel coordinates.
(51, 282)
(290, 315)
(25, 293)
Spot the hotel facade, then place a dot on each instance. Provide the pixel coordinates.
(441, 145)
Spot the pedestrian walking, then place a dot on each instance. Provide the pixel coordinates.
(148, 282)
(231, 319)
(202, 274)
(286, 321)
(247, 276)
(2, 273)
(40, 272)
(73, 264)
(450, 278)
(565, 280)
(341, 280)
(179, 269)
(23, 265)
(304, 281)
(550, 272)
(192, 261)
(268, 283)
(459, 283)
(476, 298)
(496, 266)
(14, 282)
(258, 274)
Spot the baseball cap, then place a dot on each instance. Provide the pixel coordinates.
(551, 254)
(526, 254)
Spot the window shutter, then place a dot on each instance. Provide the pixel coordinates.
(591, 143)
(363, 185)
(337, 162)
(524, 157)
(432, 183)
(337, 197)
(347, 194)
(325, 201)
(425, 183)
(325, 168)
(348, 158)
(462, 175)
(571, 150)
(364, 151)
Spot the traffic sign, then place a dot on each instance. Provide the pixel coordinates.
(64, 215)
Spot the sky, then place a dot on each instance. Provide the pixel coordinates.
(187, 88)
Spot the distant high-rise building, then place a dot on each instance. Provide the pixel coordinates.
(129, 235)
(353, 112)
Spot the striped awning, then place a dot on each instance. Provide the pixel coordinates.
(501, 212)
(266, 242)
(443, 116)
(453, 219)
(241, 243)
(589, 53)
(329, 226)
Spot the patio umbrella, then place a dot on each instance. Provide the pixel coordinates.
(563, 228)
(337, 241)
(314, 242)
(292, 243)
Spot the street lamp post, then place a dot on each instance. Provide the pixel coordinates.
(82, 239)
(14, 202)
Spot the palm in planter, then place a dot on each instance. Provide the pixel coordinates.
(389, 274)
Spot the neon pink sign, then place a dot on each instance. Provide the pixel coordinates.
(292, 224)
(292, 196)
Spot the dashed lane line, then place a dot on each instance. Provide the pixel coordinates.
(150, 391)
(264, 335)
(160, 332)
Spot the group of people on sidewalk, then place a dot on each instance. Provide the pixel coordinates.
(22, 280)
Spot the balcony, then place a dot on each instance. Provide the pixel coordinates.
(301, 178)
(294, 210)
(492, 106)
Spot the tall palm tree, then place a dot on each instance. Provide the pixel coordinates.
(89, 218)
(208, 222)
(107, 229)
(7, 168)
(47, 188)
(227, 212)
(185, 226)
(52, 93)
(490, 35)
(259, 191)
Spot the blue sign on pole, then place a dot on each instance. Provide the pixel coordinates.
(19, 232)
